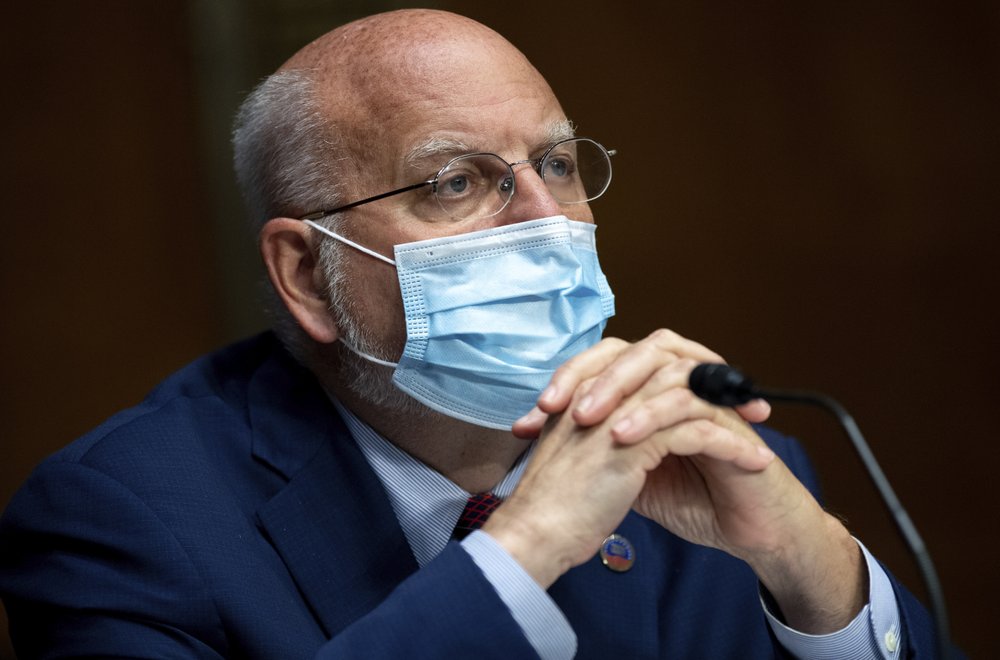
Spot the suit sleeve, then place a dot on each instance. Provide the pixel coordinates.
(88, 569)
(423, 621)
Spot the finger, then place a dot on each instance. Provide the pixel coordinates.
(755, 411)
(658, 413)
(555, 424)
(671, 401)
(701, 437)
(630, 370)
(530, 426)
(556, 397)
(665, 400)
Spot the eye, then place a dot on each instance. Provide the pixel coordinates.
(559, 166)
(463, 177)
(457, 184)
(475, 185)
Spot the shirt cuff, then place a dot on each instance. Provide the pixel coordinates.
(542, 621)
(874, 632)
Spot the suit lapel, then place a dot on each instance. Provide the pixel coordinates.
(332, 524)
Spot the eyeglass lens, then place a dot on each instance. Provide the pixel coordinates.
(480, 185)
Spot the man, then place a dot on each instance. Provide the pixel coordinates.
(421, 204)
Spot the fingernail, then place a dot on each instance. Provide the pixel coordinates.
(765, 452)
(585, 404)
(622, 427)
(532, 416)
(548, 394)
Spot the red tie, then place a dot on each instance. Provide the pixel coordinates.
(477, 510)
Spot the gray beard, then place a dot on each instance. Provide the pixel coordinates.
(370, 381)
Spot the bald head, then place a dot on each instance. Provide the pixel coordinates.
(373, 38)
(409, 45)
(382, 68)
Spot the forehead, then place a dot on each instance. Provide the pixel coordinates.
(442, 97)
(440, 148)
(427, 132)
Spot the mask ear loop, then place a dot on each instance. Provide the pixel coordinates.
(370, 358)
(373, 253)
(347, 241)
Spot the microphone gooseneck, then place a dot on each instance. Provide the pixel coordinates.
(723, 385)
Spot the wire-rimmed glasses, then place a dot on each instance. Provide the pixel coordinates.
(480, 185)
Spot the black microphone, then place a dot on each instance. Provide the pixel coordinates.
(721, 384)
(725, 386)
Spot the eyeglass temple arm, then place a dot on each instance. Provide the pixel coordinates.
(316, 215)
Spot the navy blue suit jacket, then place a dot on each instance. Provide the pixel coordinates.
(230, 514)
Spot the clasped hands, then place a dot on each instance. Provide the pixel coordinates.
(619, 429)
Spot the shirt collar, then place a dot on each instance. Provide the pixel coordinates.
(427, 503)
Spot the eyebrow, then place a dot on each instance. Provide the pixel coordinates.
(563, 129)
(437, 149)
(440, 149)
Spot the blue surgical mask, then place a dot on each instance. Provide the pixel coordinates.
(491, 314)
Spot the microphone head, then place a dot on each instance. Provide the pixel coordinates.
(721, 384)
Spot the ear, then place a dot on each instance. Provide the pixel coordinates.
(294, 272)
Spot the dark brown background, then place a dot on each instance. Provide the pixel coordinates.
(808, 188)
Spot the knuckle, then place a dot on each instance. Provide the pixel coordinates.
(663, 336)
(663, 378)
(662, 345)
(711, 432)
(613, 380)
(615, 343)
(702, 427)
(686, 399)
(566, 369)
(585, 386)
(652, 352)
(576, 366)
(686, 364)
